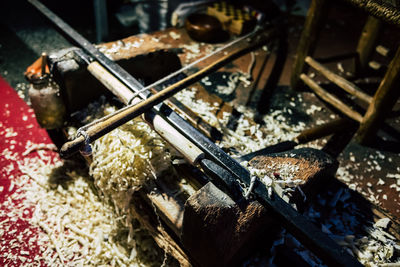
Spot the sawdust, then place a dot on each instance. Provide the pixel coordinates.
(301, 168)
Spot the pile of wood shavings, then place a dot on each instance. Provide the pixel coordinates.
(126, 158)
(247, 137)
(233, 81)
(282, 174)
(71, 225)
(203, 109)
(340, 218)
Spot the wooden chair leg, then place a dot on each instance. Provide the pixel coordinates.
(382, 103)
(366, 43)
(309, 36)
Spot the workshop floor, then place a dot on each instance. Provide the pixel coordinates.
(25, 35)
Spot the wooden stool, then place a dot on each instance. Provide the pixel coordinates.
(379, 105)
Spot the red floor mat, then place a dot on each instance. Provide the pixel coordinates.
(18, 129)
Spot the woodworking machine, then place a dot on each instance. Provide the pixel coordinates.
(226, 211)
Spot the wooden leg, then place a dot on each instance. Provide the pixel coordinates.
(382, 103)
(309, 36)
(367, 43)
(335, 126)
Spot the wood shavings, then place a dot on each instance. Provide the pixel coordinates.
(233, 81)
(246, 137)
(203, 109)
(382, 223)
(313, 109)
(71, 222)
(30, 147)
(192, 51)
(174, 35)
(371, 245)
(124, 158)
(119, 46)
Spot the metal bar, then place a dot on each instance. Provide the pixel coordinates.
(297, 224)
(101, 20)
(127, 113)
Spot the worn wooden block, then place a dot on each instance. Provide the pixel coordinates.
(312, 166)
(219, 232)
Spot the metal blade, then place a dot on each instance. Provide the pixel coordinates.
(228, 184)
(280, 147)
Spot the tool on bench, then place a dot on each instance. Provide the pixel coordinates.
(318, 242)
(137, 107)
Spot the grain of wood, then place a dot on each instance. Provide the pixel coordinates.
(331, 99)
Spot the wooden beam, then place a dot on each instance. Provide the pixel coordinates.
(339, 81)
(309, 36)
(382, 103)
(367, 42)
(331, 99)
(322, 130)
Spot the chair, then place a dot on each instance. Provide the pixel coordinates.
(386, 95)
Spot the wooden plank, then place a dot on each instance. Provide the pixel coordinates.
(309, 36)
(339, 81)
(331, 99)
(382, 103)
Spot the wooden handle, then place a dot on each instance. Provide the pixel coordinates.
(320, 131)
(172, 136)
(191, 152)
(125, 94)
(110, 82)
